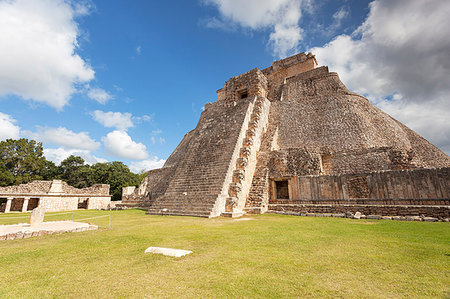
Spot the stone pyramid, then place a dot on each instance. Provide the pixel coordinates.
(292, 138)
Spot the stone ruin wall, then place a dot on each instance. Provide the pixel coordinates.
(54, 195)
(35, 187)
(97, 189)
(310, 116)
(253, 82)
(404, 192)
(152, 186)
(286, 68)
(43, 187)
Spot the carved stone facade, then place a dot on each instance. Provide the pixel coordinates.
(293, 137)
(54, 196)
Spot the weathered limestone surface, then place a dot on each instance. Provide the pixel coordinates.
(406, 193)
(25, 230)
(53, 196)
(168, 251)
(296, 126)
(37, 216)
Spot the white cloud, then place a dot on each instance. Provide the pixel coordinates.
(120, 144)
(57, 155)
(38, 43)
(118, 120)
(63, 137)
(431, 119)
(99, 95)
(401, 49)
(8, 129)
(281, 16)
(338, 17)
(138, 50)
(146, 165)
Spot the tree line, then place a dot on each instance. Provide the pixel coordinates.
(23, 160)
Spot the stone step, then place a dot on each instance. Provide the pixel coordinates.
(205, 215)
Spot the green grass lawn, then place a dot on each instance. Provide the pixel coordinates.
(268, 256)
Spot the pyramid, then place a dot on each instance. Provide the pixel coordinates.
(291, 138)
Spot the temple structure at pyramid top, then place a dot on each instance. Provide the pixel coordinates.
(291, 138)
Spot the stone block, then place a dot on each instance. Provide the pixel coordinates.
(37, 216)
(430, 219)
(168, 251)
(339, 215)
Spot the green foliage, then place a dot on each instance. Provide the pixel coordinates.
(117, 175)
(22, 161)
(75, 172)
(50, 171)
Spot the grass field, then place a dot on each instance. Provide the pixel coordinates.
(268, 256)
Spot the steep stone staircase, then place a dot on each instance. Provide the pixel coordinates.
(239, 188)
(198, 185)
(207, 180)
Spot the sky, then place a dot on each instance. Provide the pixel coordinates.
(126, 80)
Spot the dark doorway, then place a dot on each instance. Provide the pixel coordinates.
(3, 204)
(16, 205)
(282, 189)
(33, 203)
(83, 203)
(243, 94)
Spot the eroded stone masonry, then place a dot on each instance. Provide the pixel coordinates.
(53, 196)
(292, 138)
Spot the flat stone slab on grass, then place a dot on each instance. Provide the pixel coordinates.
(25, 230)
(168, 251)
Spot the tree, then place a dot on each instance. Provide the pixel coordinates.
(50, 171)
(75, 172)
(21, 161)
(117, 175)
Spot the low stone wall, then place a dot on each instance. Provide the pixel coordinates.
(395, 185)
(440, 212)
(403, 193)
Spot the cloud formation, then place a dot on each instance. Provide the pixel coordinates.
(118, 120)
(38, 43)
(99, 95)
(8, 129)
(146, 165)
(281, 16)
(65, 138)
(400, 59)
(57, 155)
(119, 144)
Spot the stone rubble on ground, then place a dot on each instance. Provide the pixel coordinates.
(25, 230)
(168, 251)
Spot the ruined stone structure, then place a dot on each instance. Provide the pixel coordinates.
(292, 138)
(54, 196)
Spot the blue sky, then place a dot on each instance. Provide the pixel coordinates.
(125, 80)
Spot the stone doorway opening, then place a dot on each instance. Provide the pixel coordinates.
(243, 94)
(3, 204)
(17, 205)
(33, 203)
(83, 203)
(282, 189)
